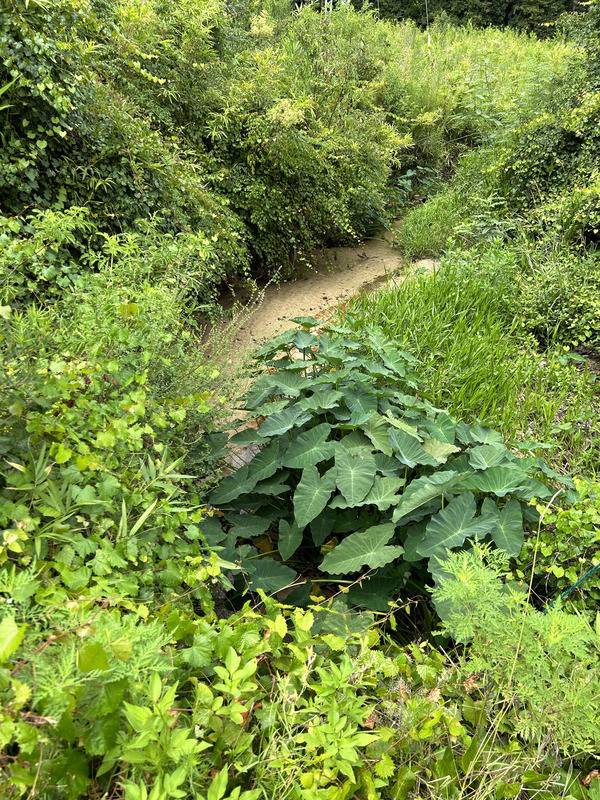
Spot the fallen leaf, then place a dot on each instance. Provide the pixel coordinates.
(435, 695)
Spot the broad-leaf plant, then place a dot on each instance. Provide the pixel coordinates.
(354, 479)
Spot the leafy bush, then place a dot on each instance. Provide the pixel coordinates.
(540, 666)
(565, 550)
(426, 229)
(350, 462)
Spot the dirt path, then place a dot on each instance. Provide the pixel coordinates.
(340, 273)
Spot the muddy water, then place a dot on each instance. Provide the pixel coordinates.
(339, 274)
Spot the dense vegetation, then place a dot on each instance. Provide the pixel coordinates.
(424, 464)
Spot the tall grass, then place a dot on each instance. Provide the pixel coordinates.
(478, 364)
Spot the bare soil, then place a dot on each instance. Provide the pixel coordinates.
(339, 274)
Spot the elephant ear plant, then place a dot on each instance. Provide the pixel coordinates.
(356, 480)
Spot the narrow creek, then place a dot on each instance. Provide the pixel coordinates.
(339, 274)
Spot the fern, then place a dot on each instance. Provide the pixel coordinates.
(544, 666)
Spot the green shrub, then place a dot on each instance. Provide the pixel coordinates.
(540, 669)
(565, 550)
(351, 464)
(426, 229)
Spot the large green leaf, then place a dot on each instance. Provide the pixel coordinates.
(500, 481)
(478, 434)
(290, 538)
(261, 390)
(409, 450)
(312, 494)
(356, 442)
(355, 474)
(246, 526)
(423, 490)
(453, 524)
(288, 382)
(361, 402)
(442, 428)
(383, 494)
(273, 486)
(277, 424)
(323, 400)
(265, 463)
(321, 527)
(439, 450)
(270, 576)
(362, 549)
(507, 532)
(377, 429)
(309, 448)
(388, 465)
(304, 340)
(232, 487)
(487, 455)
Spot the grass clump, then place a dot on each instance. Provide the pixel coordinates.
(479, 362)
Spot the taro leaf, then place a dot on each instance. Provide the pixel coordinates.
(383, 494)
(273, 486)
(340, 502)
(321, 527)
(321, 401)
(309, 448)
(443, 428)
(312, 494)
(506, 480)
(356, 442)
(331, 350)
(486, 456)
(403, 426)
(375, 368)
(290, 538)
(298, 365)
(507, 532)
(409, 451)
(306, 322)
(362, 549)
(423, 490)
(388, 466)
(304, 340)
(453, 524)
(416, 534)
(247, 436)
(246, 526)
(477, 434)
(355, 474)
(265, 463)
(212, 530)
(272, 407)
(362, 404)
(261, 390)
(271, 576)
(439, 450)
(288, 382)
(378, 430)
(232, 487)
(275, 345)
(348, 522)
(282, 421)
(394, 360)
